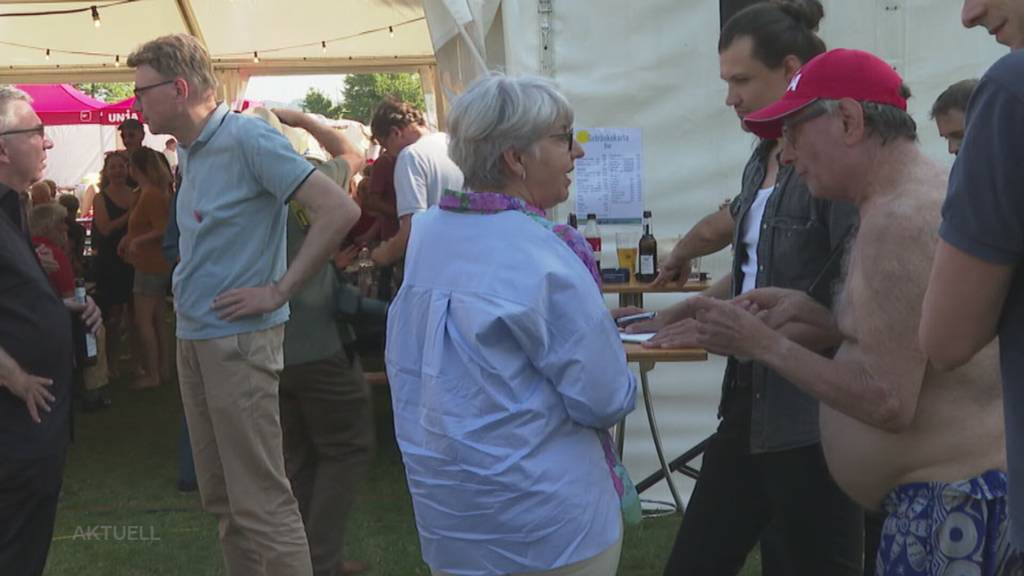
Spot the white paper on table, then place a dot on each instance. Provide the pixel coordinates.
(609, 179)
(643, 337)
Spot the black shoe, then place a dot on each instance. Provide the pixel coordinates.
(94, 402)
(187, 487)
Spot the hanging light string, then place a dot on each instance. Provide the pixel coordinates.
(90, 9)
(244, 54)
(321, 43)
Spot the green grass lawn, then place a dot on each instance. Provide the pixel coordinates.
(120, 512)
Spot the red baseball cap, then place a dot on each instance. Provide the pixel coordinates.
(834, 75)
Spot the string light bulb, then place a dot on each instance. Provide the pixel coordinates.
(255, 57)
(391, 31)
(323, 46)
(47, 54)
(95, 16)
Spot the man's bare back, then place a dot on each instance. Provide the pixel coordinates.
(942, 426)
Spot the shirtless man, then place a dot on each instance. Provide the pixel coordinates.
(925, 446)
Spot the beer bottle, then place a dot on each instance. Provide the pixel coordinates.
(648, 252)
(89, 346)
(593, 236)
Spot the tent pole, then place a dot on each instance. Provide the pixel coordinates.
(188, 17)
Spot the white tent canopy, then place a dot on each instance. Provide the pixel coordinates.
(300, 37)
(288, 36)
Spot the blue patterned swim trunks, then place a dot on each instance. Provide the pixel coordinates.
(948, 529)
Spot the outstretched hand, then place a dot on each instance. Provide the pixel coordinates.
(777, 307)
(344, 257)
(672, 270)
(680, 334)
(728, 329)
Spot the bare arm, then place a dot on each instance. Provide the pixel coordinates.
(876, 376)
(962, 306)
(332, 213)
(104, 223)
(87, 199)
(708, 236)
(156, 234)
(333, 141)
(795, 315)
(393, 250)
(128, 246)
(675, 327)
(849, 383)
(856, 382)
(721, 289)
(102, 220)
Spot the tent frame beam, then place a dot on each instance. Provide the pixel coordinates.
(72, 74)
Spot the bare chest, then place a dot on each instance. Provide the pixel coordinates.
(845, 309)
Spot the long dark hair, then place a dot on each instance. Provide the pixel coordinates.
(778, 28)
(154, 166)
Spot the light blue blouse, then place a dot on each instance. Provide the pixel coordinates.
(503, 362)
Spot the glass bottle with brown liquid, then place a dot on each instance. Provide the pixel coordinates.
(648, 252)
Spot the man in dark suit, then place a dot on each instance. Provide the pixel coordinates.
(35, 355)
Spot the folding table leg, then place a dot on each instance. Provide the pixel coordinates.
(645, 367)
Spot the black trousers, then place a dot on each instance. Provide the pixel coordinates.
(786, 499)
(327, 425)
(28, 508)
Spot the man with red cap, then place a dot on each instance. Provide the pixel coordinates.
(887, 419)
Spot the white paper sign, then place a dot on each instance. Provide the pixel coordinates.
(609, 178)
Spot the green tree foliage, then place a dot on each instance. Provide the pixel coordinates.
(364, 91)
(107, 91)
(316, 102)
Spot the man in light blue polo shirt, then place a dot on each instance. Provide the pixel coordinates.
(231, 291)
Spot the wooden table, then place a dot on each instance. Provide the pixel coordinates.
(632, 293)
(647, 358)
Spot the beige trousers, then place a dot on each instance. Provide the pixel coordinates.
(604, 564)
(229, 388)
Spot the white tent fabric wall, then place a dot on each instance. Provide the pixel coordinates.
(655, 66)
(77, 151)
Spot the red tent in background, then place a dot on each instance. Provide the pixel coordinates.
(62, 104)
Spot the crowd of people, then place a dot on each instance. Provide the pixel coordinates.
(870, 320)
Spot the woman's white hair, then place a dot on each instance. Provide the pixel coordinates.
(46, 217)
(10, 94)
(498, 113)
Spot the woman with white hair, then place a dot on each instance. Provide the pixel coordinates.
(506, 368)
(48, 223)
